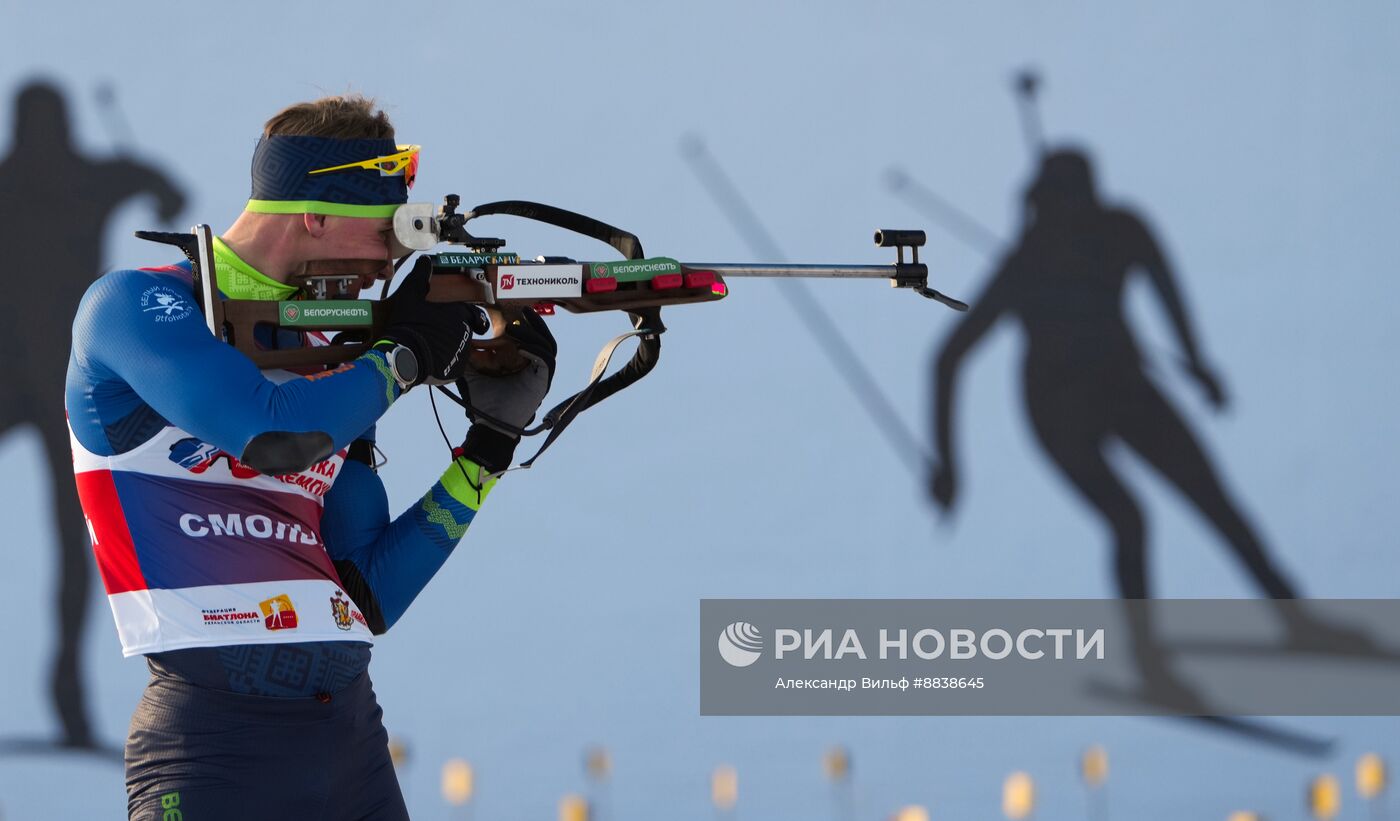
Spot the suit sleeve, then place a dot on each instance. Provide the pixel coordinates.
(144, 329)
(385, 564)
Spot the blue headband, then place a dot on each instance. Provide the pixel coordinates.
(283, 182)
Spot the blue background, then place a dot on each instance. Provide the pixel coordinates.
(1257, 137)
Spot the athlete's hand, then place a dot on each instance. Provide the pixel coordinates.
(500, 407)
(943, 485)
(436, 332)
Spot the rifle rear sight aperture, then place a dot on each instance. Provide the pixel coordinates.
(452, 227)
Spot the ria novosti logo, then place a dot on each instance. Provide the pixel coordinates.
(740, 644)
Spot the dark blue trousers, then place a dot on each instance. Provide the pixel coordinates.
(200, 754)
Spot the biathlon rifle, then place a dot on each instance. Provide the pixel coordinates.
(503, 286)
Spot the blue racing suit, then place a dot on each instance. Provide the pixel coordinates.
(247, 550)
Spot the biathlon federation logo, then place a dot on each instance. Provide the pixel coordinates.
(740, 644)
(279, 613)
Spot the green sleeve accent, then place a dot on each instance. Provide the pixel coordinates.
(462, 480)
(391, 385)
(333, 209)
(443, 518)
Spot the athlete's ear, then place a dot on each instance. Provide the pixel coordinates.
(315, 224)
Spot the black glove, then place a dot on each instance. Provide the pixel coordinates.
(501, 406)
(436, 332)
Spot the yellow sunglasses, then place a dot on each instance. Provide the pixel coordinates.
(405, 162)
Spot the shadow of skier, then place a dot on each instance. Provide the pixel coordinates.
(1083, 375)
(56, 203)
(1086, 385)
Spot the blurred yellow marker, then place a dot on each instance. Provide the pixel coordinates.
(911, 813)
(458, 782)
(573, 808)
(724, 787)
(1093, 766)
(1244, 816)
(1370, 776)
(1325, 797)
(398, 753)
(836, 763)
(1017, 796)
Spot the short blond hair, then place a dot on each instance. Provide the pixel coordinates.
(341, 117)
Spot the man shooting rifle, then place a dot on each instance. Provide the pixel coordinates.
(241, 530)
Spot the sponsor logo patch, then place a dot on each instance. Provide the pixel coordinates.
(325, 313)
(278, 613)
(636, 270)
(165, 304)
(198, 457)
(474, 260)
(540, 281)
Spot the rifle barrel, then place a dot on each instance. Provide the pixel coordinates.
(745, 269)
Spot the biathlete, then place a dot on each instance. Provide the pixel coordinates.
(241, 531)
